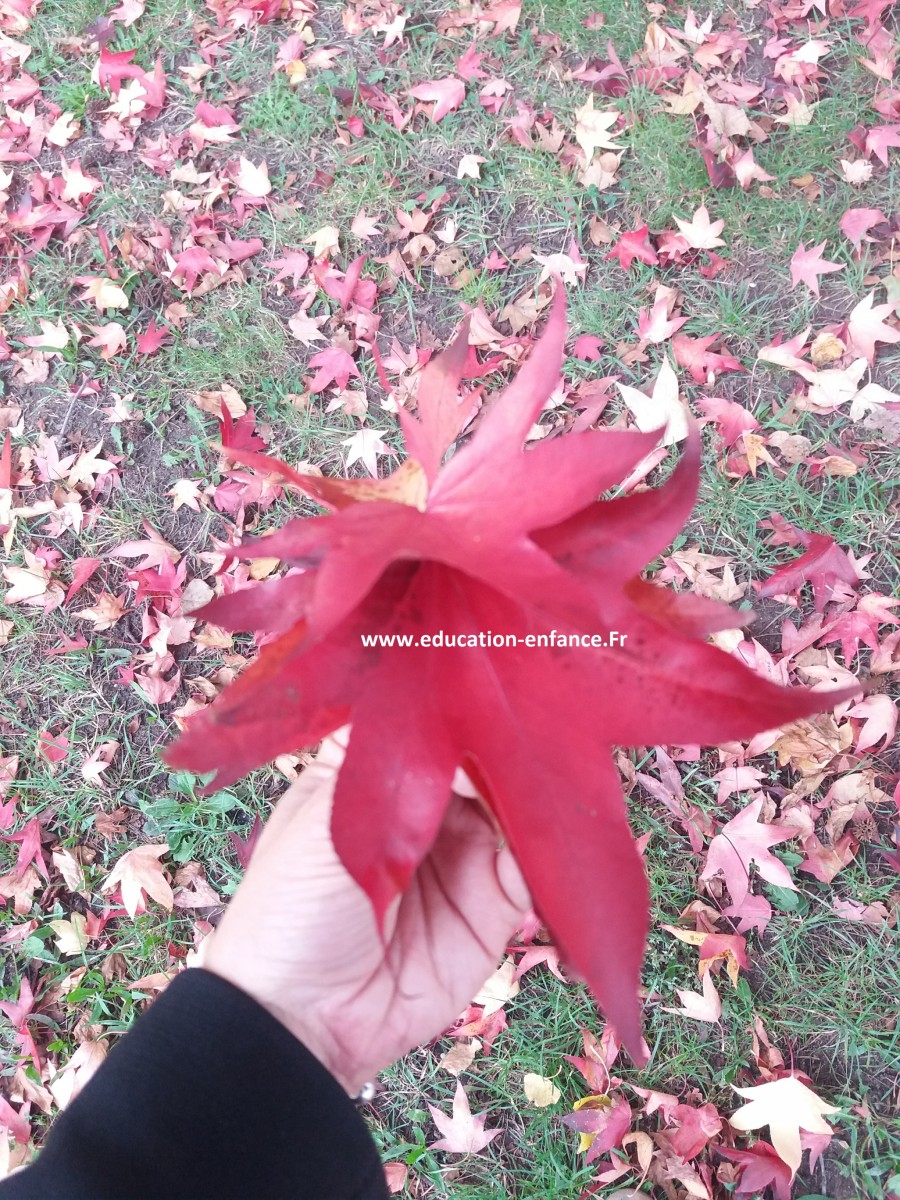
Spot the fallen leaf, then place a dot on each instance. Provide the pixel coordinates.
(592, 129)
(447, 95)
(139, 871)
(707, 1007)
(700, 231)
(786, 1105)
(463, 1133)
(808, 265)
(663, 409)
(539, 1090)
(742, 841)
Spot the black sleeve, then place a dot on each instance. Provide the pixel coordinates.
(208, 1097)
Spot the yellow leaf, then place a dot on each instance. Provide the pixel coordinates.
(540, 1090)
(592, 129)
(71, 935)
(786, 1106)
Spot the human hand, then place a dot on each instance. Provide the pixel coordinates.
(300, 935)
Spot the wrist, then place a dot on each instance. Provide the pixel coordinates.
(297, 1018)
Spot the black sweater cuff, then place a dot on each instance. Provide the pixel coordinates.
(208, 1097)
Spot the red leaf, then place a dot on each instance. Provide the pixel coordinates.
(635, 244)
(587, 347)
(762, 1168)
(808, 265)
(152, 338)
(448, 94)
(53, 748)
(82, 570)
(334, 365)
(507, 540)
(856, 223)
(744, 840)
(824, 565)
(69, 644)
(244, 847)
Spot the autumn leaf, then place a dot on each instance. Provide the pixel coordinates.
(700, 231)
(364, 446)
(137, 872)
(856, 223)
(742, 841)
(463, 1133)
(505, 538)
(707, 1007)
(808, 265)
(592, 129)
(786, 1105)
(104, 293)
(539, 1090)
(824, 565)
(662, 410)
(252, 179)
(153, 337)
(447, 95)
(634, 244)
(866, 327)
(333, 365)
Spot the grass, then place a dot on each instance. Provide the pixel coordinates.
(824, 989)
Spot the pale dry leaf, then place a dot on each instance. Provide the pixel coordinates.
(663, 409)
(463, 1132)
(786, 1105)
(539, 1090)
(592, 128)
(460, 1056)
(499, 989)
(707, 1007)
(71, 935)
(139, 871)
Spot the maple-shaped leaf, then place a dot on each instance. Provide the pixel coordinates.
(634, 244)
(602, 1123)
(463, 1132)
(808, 265)
(365, 445)
(866, 327)
(447, 94)
(700, 231)
(499, 538)
(587, 347)
(786, 1105)
(732, 420)
(824, 565)
(880, 139)
(745, 840)
(154, 547)
(293, 266)
(705, 1007)
(663, 409)
(657, 325)
(53, 337)
(153, 337)
(333, 365)
(252, 179)
(856, 223)
(190, 265)
(760, 1168)
(139, 871)
(592, 128)
(703, 363)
